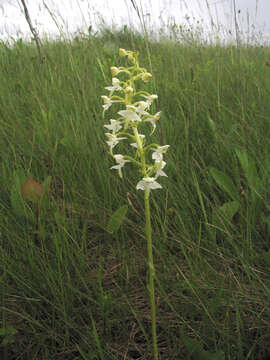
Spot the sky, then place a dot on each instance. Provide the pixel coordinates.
(69, 16)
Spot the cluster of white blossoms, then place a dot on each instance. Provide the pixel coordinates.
(125, 127)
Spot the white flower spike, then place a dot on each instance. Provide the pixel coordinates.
(130, 118)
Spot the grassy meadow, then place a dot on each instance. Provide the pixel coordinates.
(72, 290)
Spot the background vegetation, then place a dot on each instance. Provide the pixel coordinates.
(72, 290)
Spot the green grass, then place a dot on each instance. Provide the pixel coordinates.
(72, 290)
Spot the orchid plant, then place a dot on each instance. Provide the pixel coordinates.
(126, 127)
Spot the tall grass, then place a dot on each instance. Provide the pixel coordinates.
(69, 289)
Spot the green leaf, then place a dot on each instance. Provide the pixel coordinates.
(46, 183)
(196, 351)
(15, 193)
(8, 330)
(7, 340)
(248, 166)
(44, 201)
(266, 257)
(16, 202)
(116, 219)
(229, 209)
(224, 214)
(266, 219)
(225, 182)
(211, 124)
(64, 141)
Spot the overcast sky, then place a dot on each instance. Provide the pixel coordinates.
(71, 15)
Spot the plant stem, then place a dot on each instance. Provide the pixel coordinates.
(151, 286)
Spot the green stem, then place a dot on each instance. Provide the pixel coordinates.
(151, 285)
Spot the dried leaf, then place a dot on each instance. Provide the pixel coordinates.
(32, 190)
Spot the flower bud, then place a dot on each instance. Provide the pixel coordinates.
(131, 57)
(114, 71)
(128, 90)
(115, 81)
(146, 76)
(122, 52)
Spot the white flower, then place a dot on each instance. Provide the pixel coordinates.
(148, 183)
(159, 171)
(116, 85)
(129, 115)
(115, 126)
(135, 144)
(158, 153)
(140, 108)
(113, 140)
(153, 119)
(150, 98)
(108, 102)
(121, 162)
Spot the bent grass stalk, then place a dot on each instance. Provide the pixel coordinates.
(126, 127)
